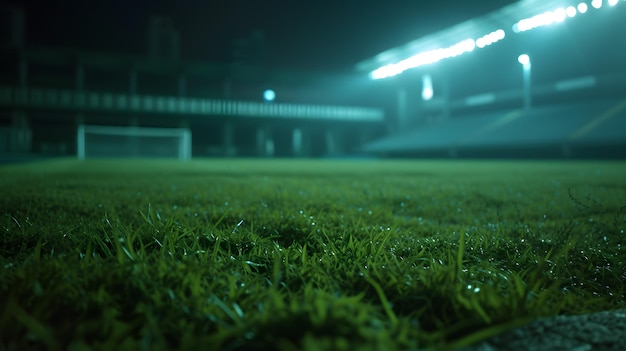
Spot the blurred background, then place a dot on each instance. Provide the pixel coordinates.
(320, 79)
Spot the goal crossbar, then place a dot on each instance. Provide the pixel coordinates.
(183, 135)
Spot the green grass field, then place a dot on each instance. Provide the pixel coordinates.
(302, 255)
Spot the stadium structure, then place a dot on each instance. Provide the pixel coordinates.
(57, 101)
(537, 78)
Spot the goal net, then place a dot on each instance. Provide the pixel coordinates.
(114, 141)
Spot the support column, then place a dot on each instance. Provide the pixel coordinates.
(334, 142)
(453, 152)
(133, 140)
(264, 142)
(21, 134)
(182, 85)
(185, 147)
(132, 81)
(22, 73)
(79, 122)
(227, 89)
(301, 142)
(228, 132)
(566, 150)
(445, 89)
(17, 26)
(80, 77)
(331, 144)
(402, 108)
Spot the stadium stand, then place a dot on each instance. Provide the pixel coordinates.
(544, 129)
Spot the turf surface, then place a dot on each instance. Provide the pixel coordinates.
(302, 255)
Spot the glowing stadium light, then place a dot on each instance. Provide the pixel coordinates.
(596, 4)
(424, 58)
(540, 20)
(524, 59)
(570, 11)
(559, 15)
(490, 38)
(582, 7)
(613, 2)
(269, 95)
(427, 88)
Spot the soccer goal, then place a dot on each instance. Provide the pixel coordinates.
(133, 141)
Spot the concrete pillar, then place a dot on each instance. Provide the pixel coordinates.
(228, 132)
(334, 142)
(301, 142)
(453, 152)
(527, 87)
(163, 39)
(227, 89)
(79, 120)
(445, 90)
(132, 81)
(402, 108)
(22, 73)
(175, 40)
(331, 144)
(80, 76)
(133, 140)
(21, 138)
(16, 26)
(264, 142)
(182, 85)
(566, 150)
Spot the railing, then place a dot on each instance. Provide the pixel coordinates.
(97, 101)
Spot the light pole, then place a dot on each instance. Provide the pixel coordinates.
(524, 59)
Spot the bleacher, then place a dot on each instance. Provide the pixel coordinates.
(563, 127)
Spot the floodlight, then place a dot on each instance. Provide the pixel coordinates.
(559, 15)
(613, 2)
(424, 58)
(269, 95)
(427, 87)
(570, 11)
(490, 38)
(582, 7)
(596, 4)
(524, 59)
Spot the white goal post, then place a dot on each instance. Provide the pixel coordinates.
(132, 141)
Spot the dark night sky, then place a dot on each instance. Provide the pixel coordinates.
(322, 34)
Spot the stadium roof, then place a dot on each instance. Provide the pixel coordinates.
(500, 20)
